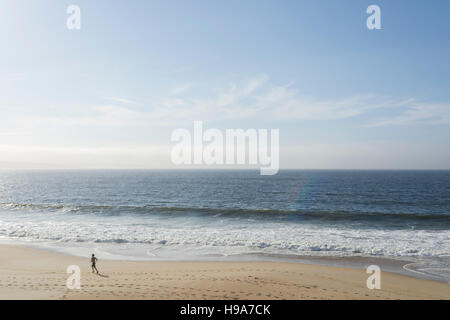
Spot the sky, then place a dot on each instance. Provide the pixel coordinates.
(110, 94)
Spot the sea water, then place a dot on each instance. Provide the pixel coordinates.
(237, 215)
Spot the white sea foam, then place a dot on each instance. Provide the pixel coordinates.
(192, 237)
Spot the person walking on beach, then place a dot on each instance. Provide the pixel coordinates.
(94, 261)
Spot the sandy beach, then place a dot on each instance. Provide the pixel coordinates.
(28, 273)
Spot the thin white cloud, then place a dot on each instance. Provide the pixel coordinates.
(103, 115)
(121, 100)
(423, 114)
(258, 98)
(181, 89)
(367, 155)
(373, 154)
(255, 99)
(75, 157)
(14, 133)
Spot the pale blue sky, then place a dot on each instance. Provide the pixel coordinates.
(110, 94)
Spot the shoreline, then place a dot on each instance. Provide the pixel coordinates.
(31, 273)
(397, 265)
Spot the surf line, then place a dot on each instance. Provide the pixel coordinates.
(411, 270)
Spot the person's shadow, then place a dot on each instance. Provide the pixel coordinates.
(102, 275)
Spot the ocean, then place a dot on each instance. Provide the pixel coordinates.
(233, 215)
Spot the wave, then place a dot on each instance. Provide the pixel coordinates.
(221, 211)
(234, 239)
(443, 219)
(187, 236)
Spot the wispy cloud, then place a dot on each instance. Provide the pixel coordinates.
(76, 157)
(103, 115)
(418, 113)
(181, 88)
(256, 98)
(259, 98)
(13, 133)
(121, 100)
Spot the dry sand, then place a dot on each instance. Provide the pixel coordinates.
(27, 273)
